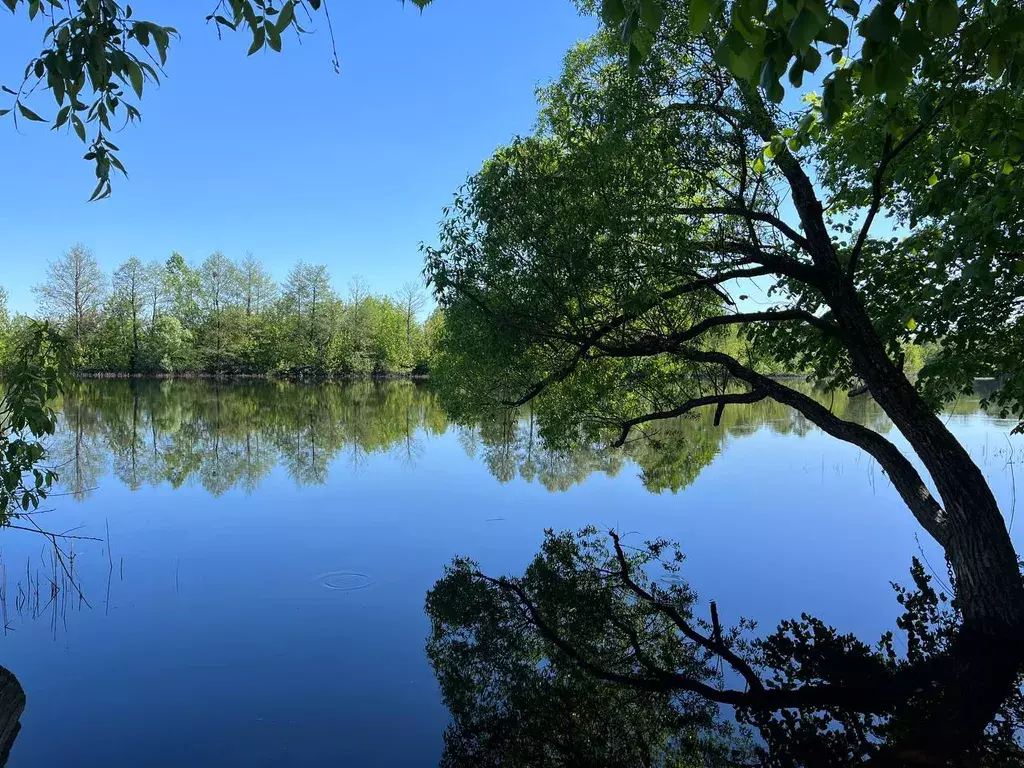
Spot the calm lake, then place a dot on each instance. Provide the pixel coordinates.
(256, 596)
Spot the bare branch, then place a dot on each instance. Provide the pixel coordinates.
(658, 344)
(889, 153)
(749, 215)
(876, 203)
(734, 117)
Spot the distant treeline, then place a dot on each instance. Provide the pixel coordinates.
(228, 318)
(225, 317)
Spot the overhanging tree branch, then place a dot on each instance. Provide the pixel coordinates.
(739, 398)
(904, 476)
(590, 340)
(657, 344)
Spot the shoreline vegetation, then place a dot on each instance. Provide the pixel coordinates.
(266, 376)
(225, 318)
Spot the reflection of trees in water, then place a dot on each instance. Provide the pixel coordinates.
(601, 655)
(77, 451)
(670, 454)
(226, 436)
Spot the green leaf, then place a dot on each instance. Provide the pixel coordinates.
(737, 56)
(286, 17)
(56, 83)
(890, 72)
(796, 74)
(653, 13)
(881, 25)
(933, 180)
(835, 32)
(28, 114)
(775, 92)
(804, 29)
(79, 127)
(911, 324)
(1008, 168)
(811, 59)
(699, 15)
(995, 64)
(642, 40)
(102, 190)
(758, 165)
(943, 17)
(62, 116)
(613, 12)
(135, 75)
(258, 38)
(273, 37)
(770, 82)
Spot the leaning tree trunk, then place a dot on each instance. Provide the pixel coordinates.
(989, 585)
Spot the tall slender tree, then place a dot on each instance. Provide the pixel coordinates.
(73, 292)
(256, 287)
(219, 287)
(131, 292)
(411, 299)
(157, 293)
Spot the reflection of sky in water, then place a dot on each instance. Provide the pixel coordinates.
(221, 645)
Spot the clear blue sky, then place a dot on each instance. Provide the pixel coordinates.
(276, 153)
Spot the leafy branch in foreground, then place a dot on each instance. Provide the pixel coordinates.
(97, 57)
(36, 376)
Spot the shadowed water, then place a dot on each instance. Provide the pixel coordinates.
(256, 594)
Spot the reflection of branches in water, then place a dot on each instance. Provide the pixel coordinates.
(50, 588)
(225, 437)
(409, 451)
(590, 658)
(670, 454)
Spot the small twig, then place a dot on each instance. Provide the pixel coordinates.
(51, 535)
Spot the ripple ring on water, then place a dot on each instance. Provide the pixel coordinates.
(345, 581)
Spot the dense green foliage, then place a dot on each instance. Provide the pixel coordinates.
(35, 375)
(224, 317)
(601, 654)
(668, 208)
(643, 196)
(97, 57)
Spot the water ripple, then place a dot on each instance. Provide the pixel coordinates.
(345, 581)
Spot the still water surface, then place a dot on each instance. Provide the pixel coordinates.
(257, 596)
